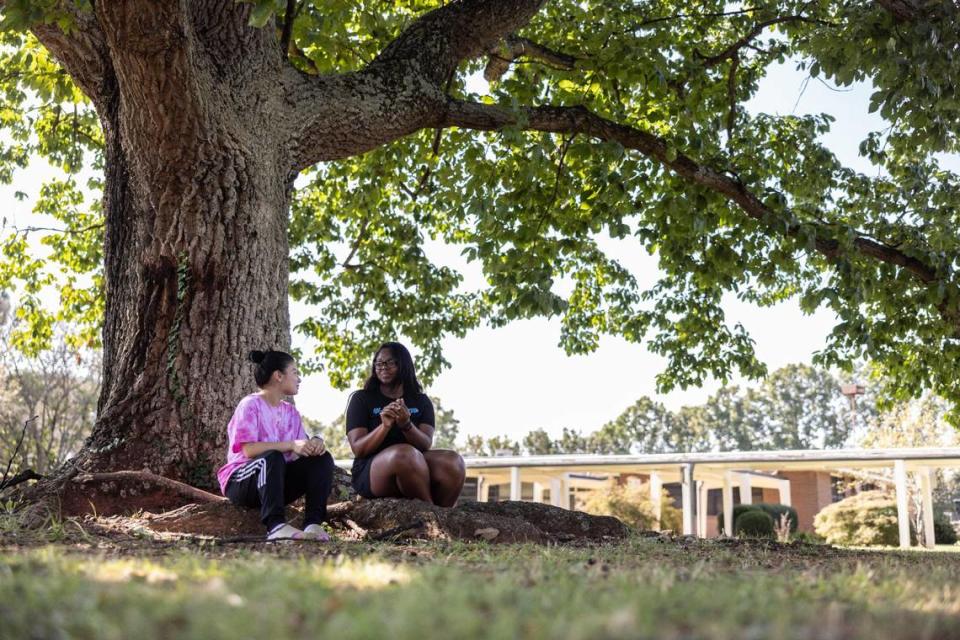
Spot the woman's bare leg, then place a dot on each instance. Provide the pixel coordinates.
(400, 471)
(447, 473)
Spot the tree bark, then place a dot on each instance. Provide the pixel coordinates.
(196, 200)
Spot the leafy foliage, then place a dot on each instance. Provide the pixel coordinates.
(868, 518)
(631, 504)
(773, 510)
(47, 403)
(754, 524)
(536, 213)
(943, 530)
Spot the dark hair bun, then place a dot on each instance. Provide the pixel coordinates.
(257, 356)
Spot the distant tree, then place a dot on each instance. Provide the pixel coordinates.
(795, 407)
(689, 430)
(735, 424)
(498, 444)
(475, 446)
(649, 427)
(915, 423)
(572, 441)
(800, 407)
(446, 427)
(539, 443)
(59, 386)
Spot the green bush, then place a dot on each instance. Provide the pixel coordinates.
(773, 510)
(943, 531)
(631, 505)
(868, 518)
(754, 524)
(807, 537)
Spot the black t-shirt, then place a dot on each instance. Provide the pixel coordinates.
(363, 412)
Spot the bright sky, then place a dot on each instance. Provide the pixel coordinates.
(515, 379)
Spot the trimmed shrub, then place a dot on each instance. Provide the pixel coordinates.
(868, 518)
(773, 510)
(631, 505)
(808, 538)
(943, 531)
(754, 524)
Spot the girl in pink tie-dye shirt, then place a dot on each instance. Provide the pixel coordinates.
(270, 459)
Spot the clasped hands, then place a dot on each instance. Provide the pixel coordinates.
(395, 413)
(313, 447)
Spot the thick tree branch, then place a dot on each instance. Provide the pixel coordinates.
(681, 16)
(513, 47)
(734, 49)
(732, 96)
(293, 9)
(901, 10)
(578, 120)
(81, 51)
(402, 89)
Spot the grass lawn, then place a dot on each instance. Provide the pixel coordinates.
(645, 587)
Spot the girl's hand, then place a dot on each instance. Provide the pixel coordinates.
(316, 446)
(301, 447)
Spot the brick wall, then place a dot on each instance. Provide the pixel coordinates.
(809, 493)
(771, 496)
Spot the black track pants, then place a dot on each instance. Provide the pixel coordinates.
(270, 482)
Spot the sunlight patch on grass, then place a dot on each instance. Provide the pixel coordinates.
(366, 575)
(127, 571)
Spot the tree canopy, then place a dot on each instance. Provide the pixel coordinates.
(605, 118)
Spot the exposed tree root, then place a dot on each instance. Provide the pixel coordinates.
(160, 505)
(392, 518)
(75, 492)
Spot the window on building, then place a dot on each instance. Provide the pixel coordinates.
(469, 491)
(714, 501)
(675, 491)
(756, 495)
(526, 491)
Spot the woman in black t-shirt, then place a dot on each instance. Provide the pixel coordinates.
(390, 429)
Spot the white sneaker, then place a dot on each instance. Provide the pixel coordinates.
(316, 532)
(285, 532)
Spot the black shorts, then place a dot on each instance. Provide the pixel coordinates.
(360, 477)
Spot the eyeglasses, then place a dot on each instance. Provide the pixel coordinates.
(385, 364)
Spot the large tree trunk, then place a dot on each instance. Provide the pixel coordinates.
(196, 205)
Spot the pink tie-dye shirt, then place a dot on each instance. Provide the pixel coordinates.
(256, 421)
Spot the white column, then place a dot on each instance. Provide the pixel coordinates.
(746, 491)
(689, 498)
(514, 483)
(559, 496)
(926, 494)
(785, 497)
(484, 489)
(656, 497)
(728, 503)
(702, 510)
(481, 489)
(903, 513)
(538, 492)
